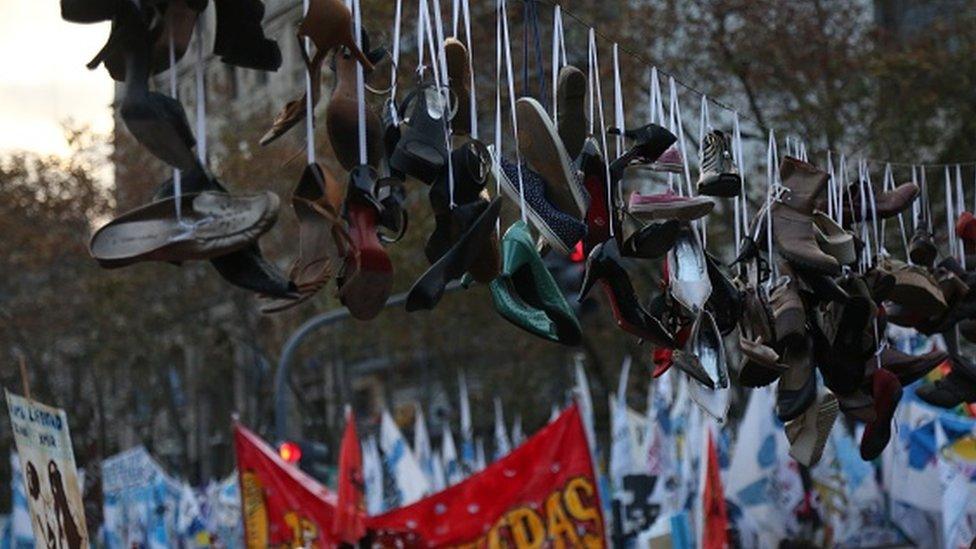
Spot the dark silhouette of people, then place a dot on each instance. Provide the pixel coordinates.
(67, 527)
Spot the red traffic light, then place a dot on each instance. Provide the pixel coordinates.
(290, 452)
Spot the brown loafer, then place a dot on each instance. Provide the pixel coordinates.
(214, 224)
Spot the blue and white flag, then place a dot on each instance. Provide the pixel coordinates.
(422, 448)
(409, 480)
(141, 502)
(469, 457)
(373, 477)
(958, 497)
(453, 472)
(585, 402)
(502, 445)
(518, 435)
(623, 448)
(479, 455)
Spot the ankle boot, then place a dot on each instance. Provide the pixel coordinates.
(792, 214)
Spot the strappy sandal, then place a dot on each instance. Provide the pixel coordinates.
(295, 110)
(322, 236)
(421, 151)
(328, 23)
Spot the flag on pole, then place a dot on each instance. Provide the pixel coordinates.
(585, 401)
(518, 436)
(409, 479)
(715, 521)
(622, 444)
(453, 472)
(502, 445)
(421, 444)
(468, 455)
(348, 522)
(373, 477)
(479, 460)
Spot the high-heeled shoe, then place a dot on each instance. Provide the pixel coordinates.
(651, 141)
(328, 23)
(421, 149)
(368, 275)
(342, 117)
(705, 343)
(688, 279)
(603, 265)
(598, 216)
(295, 110)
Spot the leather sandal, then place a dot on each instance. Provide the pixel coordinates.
(421, 152)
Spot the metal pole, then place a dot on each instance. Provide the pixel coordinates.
(322, 320)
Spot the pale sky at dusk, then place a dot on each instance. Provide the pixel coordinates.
(43, 78)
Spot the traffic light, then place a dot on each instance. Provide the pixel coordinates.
(309, 456)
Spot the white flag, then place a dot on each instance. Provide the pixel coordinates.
(479, 460)
(453, 473)
(373, 477)
(622, 444)
(468, 457)
(502, 444)
(518, 436)
(585, 403)
(421, 444)
(409, 478)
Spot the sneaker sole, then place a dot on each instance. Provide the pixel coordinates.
(543, 149)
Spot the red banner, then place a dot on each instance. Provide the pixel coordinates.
(544, 493)
(282, 506)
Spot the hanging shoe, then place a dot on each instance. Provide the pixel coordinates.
(789, 315)
(922, 250)
(598, 215)
(670, 161)
(792, 215)
(887, 203)
(526, 295)
(148, 28)
(725, 300)
(956, 388)
(214, 224)
(459, 79)
(669, 205)
(368, 273)
(342, 116)
(477, 223)
(421, 151)
(245, 268)
(688, 279)
(705, 343)
(542, 149)
(295, 110)
(328, 23)
(561, 230)
(571, 100)
(604, 265)
(820, 288)
(89, 11)
(909, 368)
(239, 38)
(158, 122)
(857, 406)
(650, 241)
(916, 289)
(887, 392)
(797, 388)
(650, 142)
(834, 240)
(808, 434)
(323, 240)
(719, 174)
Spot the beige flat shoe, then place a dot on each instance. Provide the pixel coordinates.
(833, 239)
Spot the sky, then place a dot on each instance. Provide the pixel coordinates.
(43, 78)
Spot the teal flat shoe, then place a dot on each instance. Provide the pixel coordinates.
(526, 295)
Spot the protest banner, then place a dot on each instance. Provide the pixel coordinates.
(47, 463)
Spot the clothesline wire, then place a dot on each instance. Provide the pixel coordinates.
(711, 97)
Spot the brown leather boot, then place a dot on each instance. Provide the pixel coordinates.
(792, 214)
(788, 312)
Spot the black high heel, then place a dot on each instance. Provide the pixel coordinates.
(651, 142)
(603, 264)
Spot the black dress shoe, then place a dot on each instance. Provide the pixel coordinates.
(651, 141)
(603, 264)
(471, 163)
(477, 221)
(240, 40)
(725, 300)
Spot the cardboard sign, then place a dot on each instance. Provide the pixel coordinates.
(50, 477)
